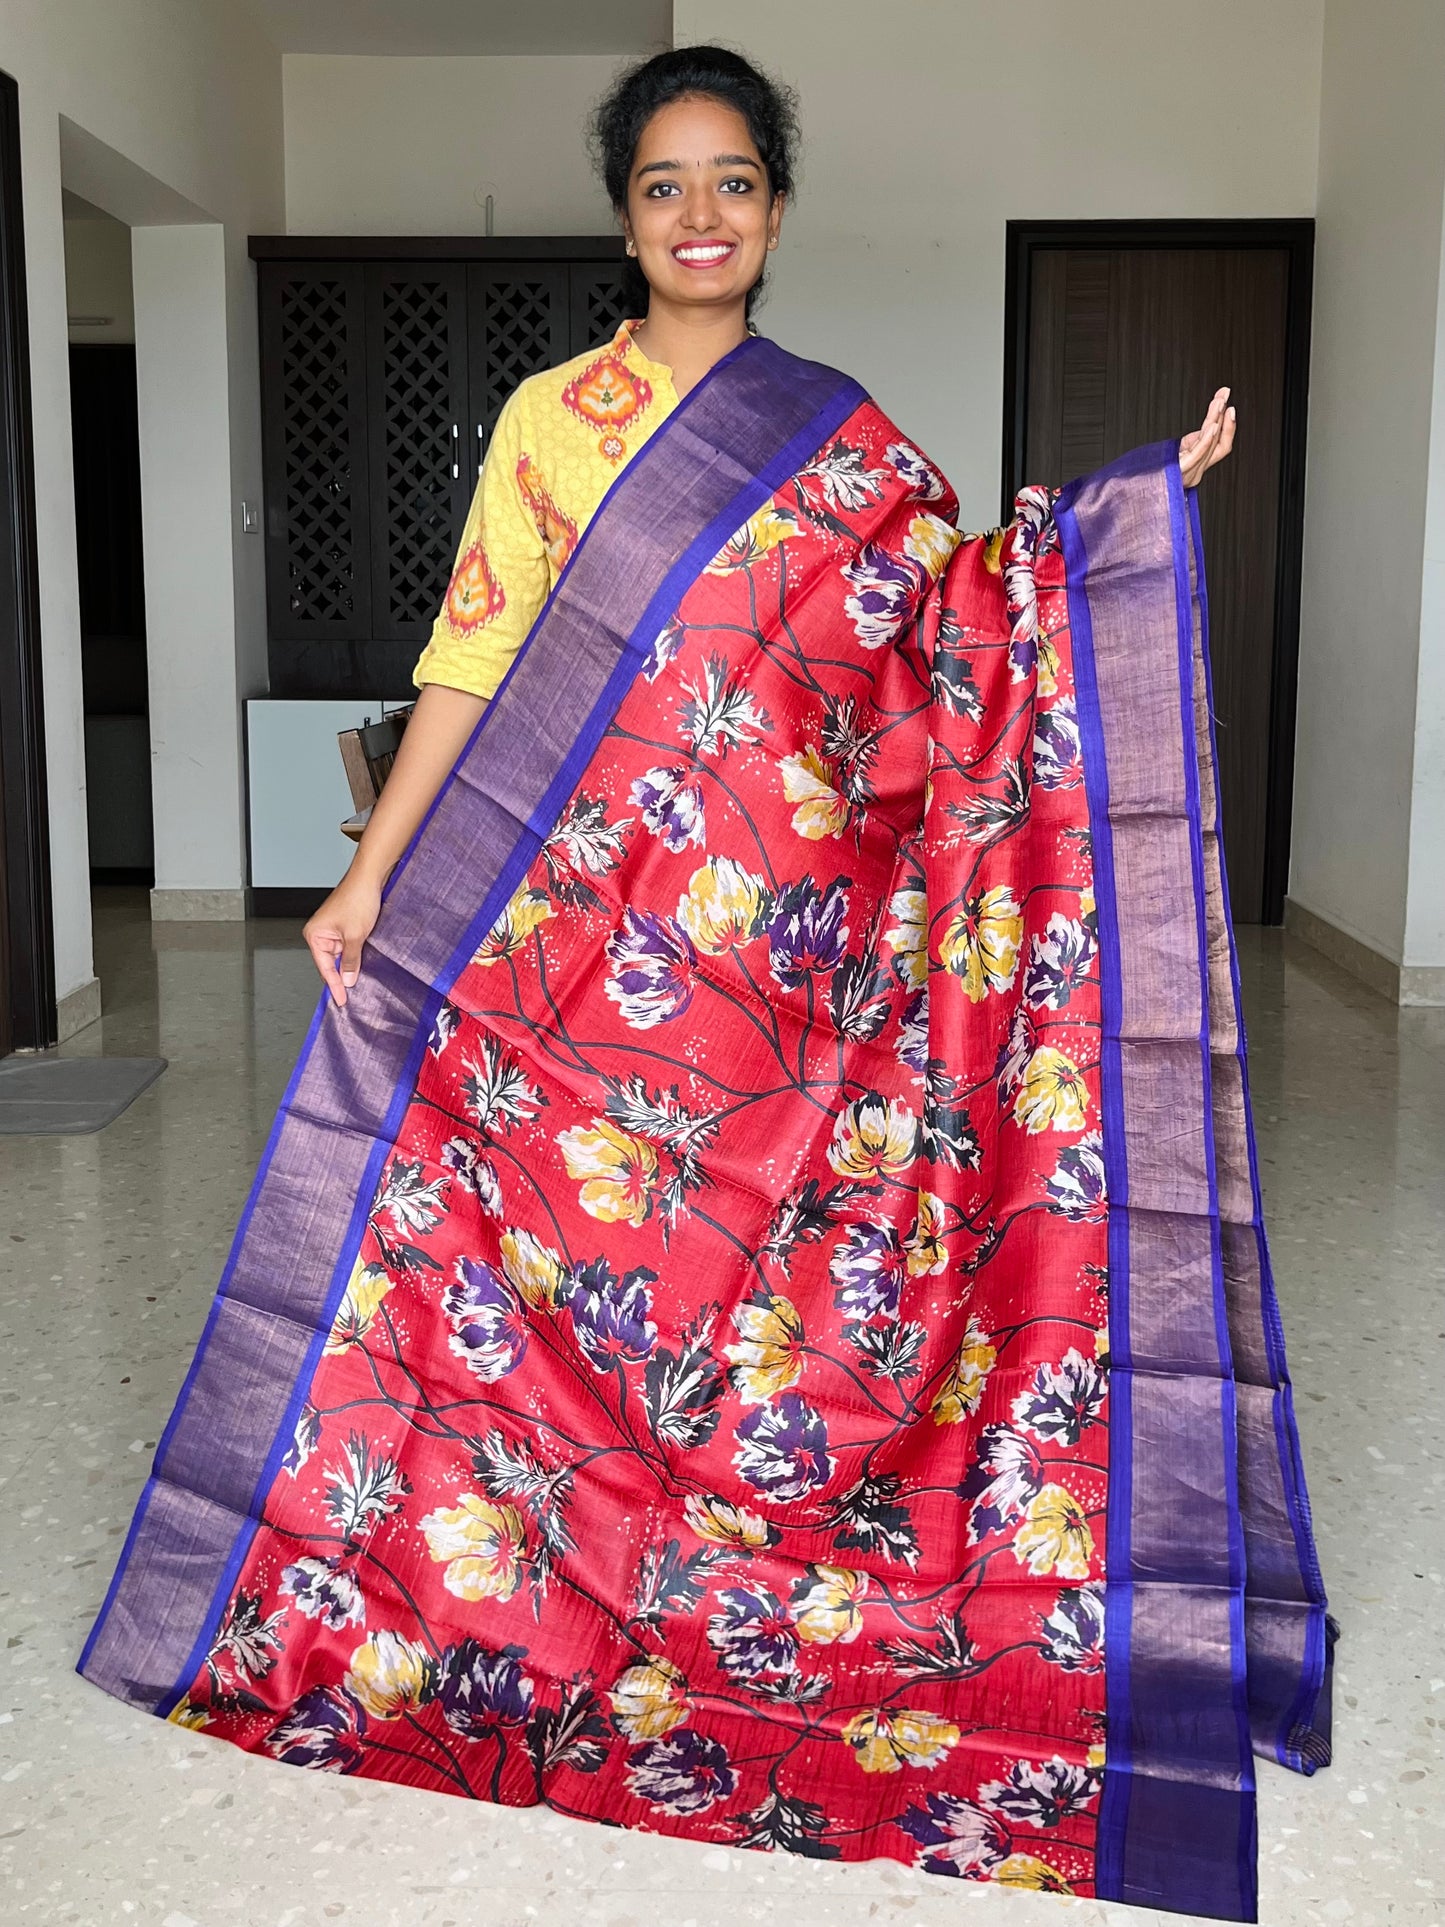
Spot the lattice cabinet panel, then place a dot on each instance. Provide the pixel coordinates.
(419, 436)
(314, 451)
(518, 321)
(597, 306)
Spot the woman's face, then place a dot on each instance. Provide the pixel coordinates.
(698, 210)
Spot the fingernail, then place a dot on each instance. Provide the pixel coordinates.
(348, 977)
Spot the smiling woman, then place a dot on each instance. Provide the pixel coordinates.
(754, 1320)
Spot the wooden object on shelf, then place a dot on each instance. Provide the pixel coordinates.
(367, 754)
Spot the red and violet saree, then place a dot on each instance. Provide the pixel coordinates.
(754, 1322)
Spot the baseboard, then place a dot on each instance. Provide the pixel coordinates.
(198, 906)
(1412, 985)
(76, 1009)
(276, 900)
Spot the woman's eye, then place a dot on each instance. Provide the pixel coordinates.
(739, 184)
(659, 188)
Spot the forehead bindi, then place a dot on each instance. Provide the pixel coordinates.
(690, 135)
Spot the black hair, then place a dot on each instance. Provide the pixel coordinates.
(770, 110)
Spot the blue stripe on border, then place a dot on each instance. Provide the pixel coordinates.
(1118, 1551)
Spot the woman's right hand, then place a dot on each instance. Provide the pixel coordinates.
(335, 934)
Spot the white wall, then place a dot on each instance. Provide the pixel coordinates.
(1373, 396)
(1425, 902)
(190, 97)
(414, 146)
(97, 277)
(927, 126)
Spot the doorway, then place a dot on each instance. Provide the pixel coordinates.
(1117, 334)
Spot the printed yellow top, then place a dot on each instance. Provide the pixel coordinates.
(560, 440)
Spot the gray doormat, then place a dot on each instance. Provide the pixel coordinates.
(44, 1096)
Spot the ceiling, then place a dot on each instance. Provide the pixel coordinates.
(466, 26)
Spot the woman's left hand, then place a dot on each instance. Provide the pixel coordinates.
(1209, 444)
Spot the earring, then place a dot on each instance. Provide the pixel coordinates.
(631, 247)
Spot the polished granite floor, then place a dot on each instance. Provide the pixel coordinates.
(109, 1252)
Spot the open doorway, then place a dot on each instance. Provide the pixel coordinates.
(106, 443)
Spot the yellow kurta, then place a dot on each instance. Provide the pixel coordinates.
(560, 440)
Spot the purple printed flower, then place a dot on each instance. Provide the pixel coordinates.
(1045, 1794)
(752, 1634)
(867, 1270)
(1017, 1049)
(324, 1592)
(1074, 1631)
(956, 1836)
(686, 1772)
(1058, 759)
(669, 641)
(304, 1440)
(1059, 962)
(610, 1316)
(1005, 1476)
(322, 1731)
(912, 1041)
(672, 808)
(1076, 1190)
(807, 933)
(917, 471)
(783, 1448)
(445, 1026)
(1063, 1401)
(1023, 655)
(489, 1331)
(481, 1690)
(885, 589)
(652, 961)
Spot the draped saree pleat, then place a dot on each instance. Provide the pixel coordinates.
(755, 1320)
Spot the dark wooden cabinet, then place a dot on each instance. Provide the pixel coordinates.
(384, 366)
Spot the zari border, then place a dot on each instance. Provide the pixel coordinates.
(1177, 1814)
(732, 441)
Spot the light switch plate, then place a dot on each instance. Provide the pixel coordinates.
(250, 518)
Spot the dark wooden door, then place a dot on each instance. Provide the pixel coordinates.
(518, 318)
(597, 308)
(1125, 344)
(419, 480)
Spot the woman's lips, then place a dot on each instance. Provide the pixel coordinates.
(703, 254)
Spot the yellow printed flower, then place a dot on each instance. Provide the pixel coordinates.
(908, 939)
(1088, 907)
(757, 537)
(1052, 1094)
(650, 1698)
(481, 1545)
(618, 1171)
(369, 1284)
(724, 1524)
(981, 944)
(725, 906)
(769, 1356)
(1027, 1870)
(390, 1675)
(993, 551)
(931, 541)
(185, 1712)
(532, 1269)
(873, 1137)
(527, 911)
(884, 1742)
(811, 781)
(1095, 1755)
(926, 1252)
(1048, 667)
(961, 1393)
(827, 1608)
(1055, 1536)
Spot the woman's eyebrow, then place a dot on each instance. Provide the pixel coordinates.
(718, 160)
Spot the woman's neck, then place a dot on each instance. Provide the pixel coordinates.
(689, 341)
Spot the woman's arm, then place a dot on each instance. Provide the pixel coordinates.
(431, 743)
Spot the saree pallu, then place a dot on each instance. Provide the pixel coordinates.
(754, 1322)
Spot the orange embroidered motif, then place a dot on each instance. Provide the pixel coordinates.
(607, 395)
(557, 529)
(474, 595)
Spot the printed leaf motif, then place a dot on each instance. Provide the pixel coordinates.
(364, 1489)
(785, 1824)
(572, 1734)
(870, 1517)
(681, 1389)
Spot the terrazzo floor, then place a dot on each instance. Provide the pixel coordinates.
(109, 1252)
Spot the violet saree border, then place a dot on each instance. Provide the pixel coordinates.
(1177, 1813)
(1289, 1637)
(732, 441)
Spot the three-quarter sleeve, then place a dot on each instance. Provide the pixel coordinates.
(500, 580)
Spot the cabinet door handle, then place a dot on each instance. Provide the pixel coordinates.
(480, 453)
(456, 451)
